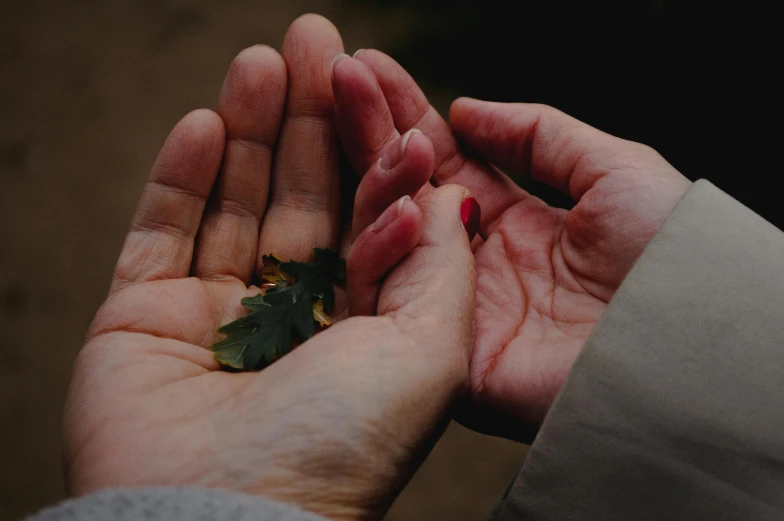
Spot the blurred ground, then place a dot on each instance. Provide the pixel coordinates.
(88, 92)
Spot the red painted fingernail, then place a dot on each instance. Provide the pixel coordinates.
(469, 216)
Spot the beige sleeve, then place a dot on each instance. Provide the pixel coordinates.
(675, 408)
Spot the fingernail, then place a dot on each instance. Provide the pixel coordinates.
(357, 53)
(394, 155)
(390, 214)
(337, 59)
(406, 137)
(470, 214)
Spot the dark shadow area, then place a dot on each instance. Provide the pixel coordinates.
(697, 83)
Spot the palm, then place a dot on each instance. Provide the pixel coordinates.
(533, 315)
(147, 375)
(545, 275)
(147, 405)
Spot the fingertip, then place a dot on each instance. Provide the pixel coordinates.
(193, 151)
(458, 102)
(309, 47)
(201, 133)
(381, 186)
(406, 231)
(256, 65)
(202, 122)
(466, 100)
(463, 110)
(309, 22)
(396, 229)
(255, 87)
(335, 60)
(419, 153)
(444, 213)
(311, 28)
(354, 79)
(371, 56)
(400, 213)
(378, 249)
(408, 228)
(406, 137)
(395, 152)
(452, 193)
(361, 114)
(456, 107)
(259, 54)
(413, 151)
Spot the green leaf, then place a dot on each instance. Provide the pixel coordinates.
(266, 333)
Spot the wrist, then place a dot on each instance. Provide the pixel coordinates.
(329, 492)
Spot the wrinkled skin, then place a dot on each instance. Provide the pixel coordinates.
(338, 425)
(545, 274)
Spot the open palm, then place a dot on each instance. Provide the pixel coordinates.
(337, 425)
(545, 274)
(148, 405)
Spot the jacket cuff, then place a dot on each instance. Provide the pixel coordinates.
(675, 407)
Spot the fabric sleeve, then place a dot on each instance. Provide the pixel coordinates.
(675, 407)
(171, 504)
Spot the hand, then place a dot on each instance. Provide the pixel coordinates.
(545, 275)
(336, 426)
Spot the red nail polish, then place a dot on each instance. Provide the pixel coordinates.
(470, 214)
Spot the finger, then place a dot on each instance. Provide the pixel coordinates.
(362, 116)
(160, 242)
(251, 105)
(430, 295)
(404, 169)
(410, 109)
(537, 140)
(377, 250)
(304, 211)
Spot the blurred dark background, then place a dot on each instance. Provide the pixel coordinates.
(89, 90)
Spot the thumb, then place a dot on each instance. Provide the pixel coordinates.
(539, 140)
(431, 294)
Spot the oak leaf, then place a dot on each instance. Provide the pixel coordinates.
(299, 295)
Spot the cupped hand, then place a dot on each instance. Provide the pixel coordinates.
(545, 274)
(337, 425)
